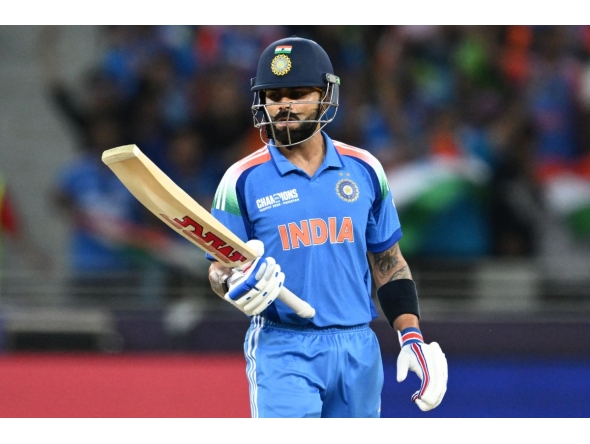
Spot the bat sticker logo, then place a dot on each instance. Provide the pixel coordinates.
(210, 241)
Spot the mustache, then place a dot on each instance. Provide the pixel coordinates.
(285, 114)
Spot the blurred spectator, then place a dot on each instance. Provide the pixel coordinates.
(555, 102)
(99, 98)
(233, 47)
(553, 99)
(188, 166)
(147, 128)
(97, 207)
(516, 203)
(163, 80)
(221, 121)
(515, 56)
(129, 51)
(169, 276)
(14, 229)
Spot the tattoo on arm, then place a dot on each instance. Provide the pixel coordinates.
(390, 265)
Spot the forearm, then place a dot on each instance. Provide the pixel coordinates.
(389, 265)
(398, 300)
(396, 291)
(406, 320)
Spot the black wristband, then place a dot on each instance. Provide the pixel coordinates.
(398, 297)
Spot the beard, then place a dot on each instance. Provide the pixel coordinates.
(304, 131)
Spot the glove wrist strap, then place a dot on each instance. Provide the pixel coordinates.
(411, 335)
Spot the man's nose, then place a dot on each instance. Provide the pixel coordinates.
(285, 103)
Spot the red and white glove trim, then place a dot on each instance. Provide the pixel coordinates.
(428, 362)
(412, 337)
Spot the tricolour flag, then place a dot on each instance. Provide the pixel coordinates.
(568, 195)
(430, 192)
(283, 49)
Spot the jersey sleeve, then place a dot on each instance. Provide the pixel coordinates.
(383, 225)
(226, 206)
(383, 228)
(226, 209)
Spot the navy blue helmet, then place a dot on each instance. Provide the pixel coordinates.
(290, 63)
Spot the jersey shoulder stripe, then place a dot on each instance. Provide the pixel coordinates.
(366, 157)
(225, 198)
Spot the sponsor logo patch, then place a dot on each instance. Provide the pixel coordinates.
(277, 199)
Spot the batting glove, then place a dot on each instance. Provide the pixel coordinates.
(428, 362)
(254, 286)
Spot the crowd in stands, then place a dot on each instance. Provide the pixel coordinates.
(482, 130)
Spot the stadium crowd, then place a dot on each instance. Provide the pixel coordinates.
(483, 130)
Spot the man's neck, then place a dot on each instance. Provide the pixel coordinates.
(308, 155)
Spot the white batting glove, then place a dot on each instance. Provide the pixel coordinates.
(428, 362)
(254, 286)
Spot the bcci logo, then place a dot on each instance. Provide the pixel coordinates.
(280, 65)
(347, 190)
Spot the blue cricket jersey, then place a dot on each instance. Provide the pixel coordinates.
(318, 228)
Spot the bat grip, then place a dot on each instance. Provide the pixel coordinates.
(298, 305)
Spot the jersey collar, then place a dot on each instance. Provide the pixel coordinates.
(284, 166)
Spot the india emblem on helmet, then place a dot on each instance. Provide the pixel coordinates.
(281, 65)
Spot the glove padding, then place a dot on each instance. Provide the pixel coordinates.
(254, 286)
(430, 364)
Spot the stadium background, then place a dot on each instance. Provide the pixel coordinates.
(504, 287)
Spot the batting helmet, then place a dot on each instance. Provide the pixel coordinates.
(290, 63)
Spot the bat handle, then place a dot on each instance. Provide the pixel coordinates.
(297, 304)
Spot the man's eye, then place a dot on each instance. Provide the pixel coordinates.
(293, 95)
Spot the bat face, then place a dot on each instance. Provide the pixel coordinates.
(159, 194)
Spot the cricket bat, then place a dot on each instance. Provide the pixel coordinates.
(176, 208)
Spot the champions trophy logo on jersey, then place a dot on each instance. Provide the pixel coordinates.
(281, 64)
(347, 190)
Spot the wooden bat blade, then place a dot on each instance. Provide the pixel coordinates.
(164, 198)
(159, 194)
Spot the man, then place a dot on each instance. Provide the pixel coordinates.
(318, 208)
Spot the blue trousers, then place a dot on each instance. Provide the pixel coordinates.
(308, 372)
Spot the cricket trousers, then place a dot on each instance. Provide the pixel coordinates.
(308, 372)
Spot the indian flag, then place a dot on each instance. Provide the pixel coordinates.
(568, 195)
(429, 190)
(283, 49)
